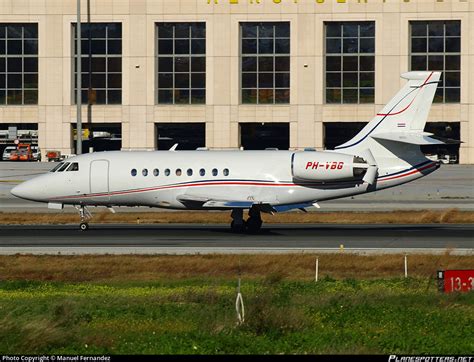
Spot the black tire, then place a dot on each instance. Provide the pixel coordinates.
(83, 226)
(253, 225)
(237, 228)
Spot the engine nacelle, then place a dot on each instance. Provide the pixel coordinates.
(327, 166)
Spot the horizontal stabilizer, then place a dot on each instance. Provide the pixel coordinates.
(414, 138)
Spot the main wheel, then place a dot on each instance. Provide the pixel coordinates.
(84, 226)
(237, 227)
(254, 224)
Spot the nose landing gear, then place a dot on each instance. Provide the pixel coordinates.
(85, 215)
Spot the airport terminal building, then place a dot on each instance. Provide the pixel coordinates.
(223, 74)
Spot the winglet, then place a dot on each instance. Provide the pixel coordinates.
(174, 147)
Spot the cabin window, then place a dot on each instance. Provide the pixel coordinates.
(178, 172)
(167, 172)
(156, 172)
(202, 172)
(226, 172)
(189, 172)
(214, 172)
(57, 167)
(64, 167)
(74, 167)
(134, 172)
(145, 172)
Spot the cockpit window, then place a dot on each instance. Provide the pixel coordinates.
(74, 167)
(57, 166)
(64, 167)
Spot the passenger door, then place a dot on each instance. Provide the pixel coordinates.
(99, 180)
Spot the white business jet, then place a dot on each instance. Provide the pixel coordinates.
(384, 154)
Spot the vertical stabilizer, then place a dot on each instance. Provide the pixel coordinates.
(407, 112)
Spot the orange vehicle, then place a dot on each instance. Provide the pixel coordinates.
(14, 155)
(22, 153)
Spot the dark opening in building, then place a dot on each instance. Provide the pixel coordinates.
(23, 132)
(259, 136)
(188, 136)
(336, 134)
(99, 137)
(448, 153)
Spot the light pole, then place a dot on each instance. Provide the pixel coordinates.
(89, 87)
(78, 81)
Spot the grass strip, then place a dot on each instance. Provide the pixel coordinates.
(453, 216)
(197, 316)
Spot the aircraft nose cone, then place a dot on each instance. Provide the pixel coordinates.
(25, 190)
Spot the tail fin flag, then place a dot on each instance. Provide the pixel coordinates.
(406, 113)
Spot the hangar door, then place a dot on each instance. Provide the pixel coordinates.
(99, 178)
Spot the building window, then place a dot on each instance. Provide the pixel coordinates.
(436, 45)
(265, 62)
(18, 64)
(101, 46)
(350, 62)
(181, 63)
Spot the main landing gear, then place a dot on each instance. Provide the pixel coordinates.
(252, 225)
(85, 215)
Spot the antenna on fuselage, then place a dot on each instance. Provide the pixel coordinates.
(174, 147)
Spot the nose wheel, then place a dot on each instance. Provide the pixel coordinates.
(85, 215)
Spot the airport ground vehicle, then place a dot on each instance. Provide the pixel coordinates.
(53, 156)
(36, 151)
(7, 152)
(22, 153)
(448, 159)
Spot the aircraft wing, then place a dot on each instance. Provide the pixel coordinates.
(209, 202)
(212, 202)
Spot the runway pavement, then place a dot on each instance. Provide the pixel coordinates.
(208, 239)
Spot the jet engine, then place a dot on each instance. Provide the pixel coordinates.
(327, 166)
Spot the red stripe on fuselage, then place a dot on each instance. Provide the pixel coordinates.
(410, 173)
(222, 183)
